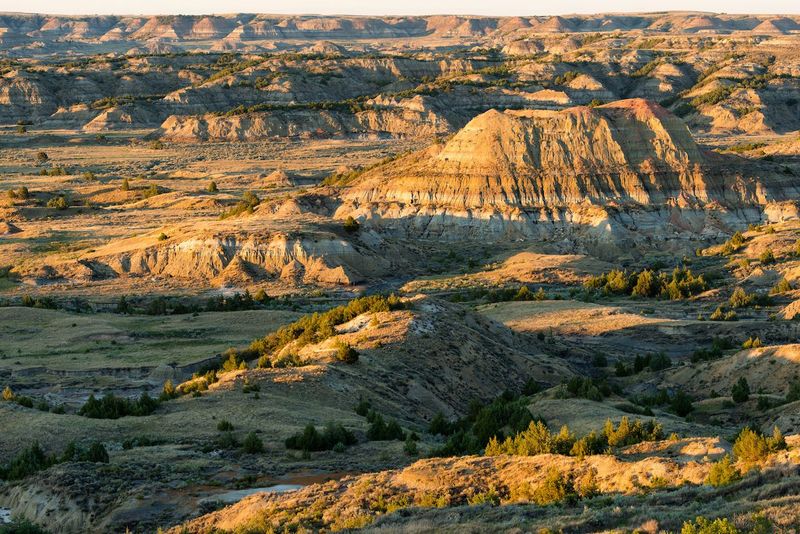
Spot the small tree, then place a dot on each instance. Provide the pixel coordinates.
(767, 257)
(225, 426)
(212, 187)
(750, 447)
(123, 306)
(723, 472)
(252, 444)
(59, 203)
(740, 391)
(781, 287)
(41, 157)
(345, 353)
(410, 447)
(168, 391)
(740, 298)
(646, 284)
(701, 525)
(681, 404)
(97, 453)
(8, 395)
(351, 225)
(126, 186)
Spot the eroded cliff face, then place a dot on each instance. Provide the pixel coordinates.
(304, 123)
(624, 173)
(627, 151)
(236, 258)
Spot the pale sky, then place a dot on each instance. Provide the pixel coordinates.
(392, 7)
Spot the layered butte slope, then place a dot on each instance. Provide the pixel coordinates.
(627, 151)
(581, 165)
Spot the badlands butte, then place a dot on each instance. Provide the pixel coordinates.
(266, 273)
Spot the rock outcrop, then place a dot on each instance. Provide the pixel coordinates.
(623, 170)
(228, 258)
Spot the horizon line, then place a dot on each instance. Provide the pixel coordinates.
(444, 14)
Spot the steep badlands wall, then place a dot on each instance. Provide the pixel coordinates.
(308, 123)
(626, 170)
(235, 258)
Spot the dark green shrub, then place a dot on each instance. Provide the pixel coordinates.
(26, 463)
(410, 447)
(382, 431)
(310, 439)
(22, 526)
(439, 425)
(557, 487)
(740, 392)
(363, 407)
(681, 404)
(246, 205)
(794, 391)
(96, 453)
(113, 407)
(252, 444)
(225, 426)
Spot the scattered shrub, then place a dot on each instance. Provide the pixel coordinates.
(59, 203)
(351, 225)
(723, 472)
(345, 353)
(96, 453)
(585, 388)
(112, 407)
(701, 525)
(26, 463)
(22, 526)
(681, 404)
(740, 298)
(781, 287)
(752, 447)
(410, 447)
(740, 392)
(537, 439)
(767, 257)
(794, 391)
(752, 343)
(252, 444)
(225, 426)
(490, 497)
(319, 326)
(680, 284)
(246, 205)
(379, 430)
(310, 439)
